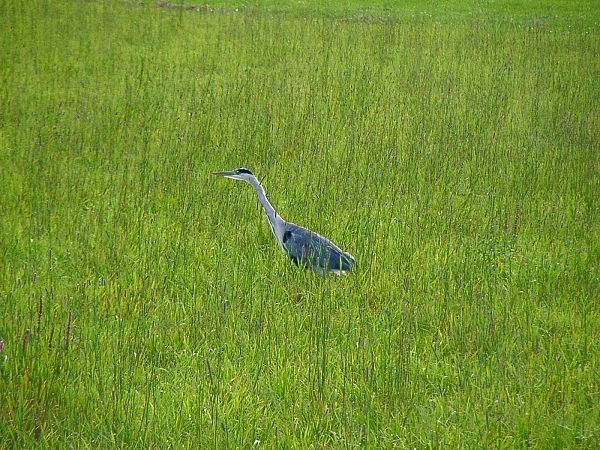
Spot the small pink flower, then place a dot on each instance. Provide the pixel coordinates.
(1, 345)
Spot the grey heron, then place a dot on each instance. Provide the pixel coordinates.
(304, 247)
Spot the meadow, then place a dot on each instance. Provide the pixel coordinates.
(145, 304)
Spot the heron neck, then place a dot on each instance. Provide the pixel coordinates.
(274, 219)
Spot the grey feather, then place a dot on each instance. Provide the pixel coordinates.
(309, 249)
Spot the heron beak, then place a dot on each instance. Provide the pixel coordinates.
(229, 174)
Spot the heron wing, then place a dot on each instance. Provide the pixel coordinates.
(310, 249)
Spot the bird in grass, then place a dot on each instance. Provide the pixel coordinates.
(305, 248)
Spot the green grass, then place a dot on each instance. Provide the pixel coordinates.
(561, 13)
(456, 159)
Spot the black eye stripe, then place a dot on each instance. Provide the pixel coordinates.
(242, 170)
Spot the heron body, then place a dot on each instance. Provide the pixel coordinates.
(304, 247)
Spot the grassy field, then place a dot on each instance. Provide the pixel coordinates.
(145, 304)
(565, 13)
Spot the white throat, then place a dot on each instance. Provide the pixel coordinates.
(276, 223)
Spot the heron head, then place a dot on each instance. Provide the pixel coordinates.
(237, 174)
